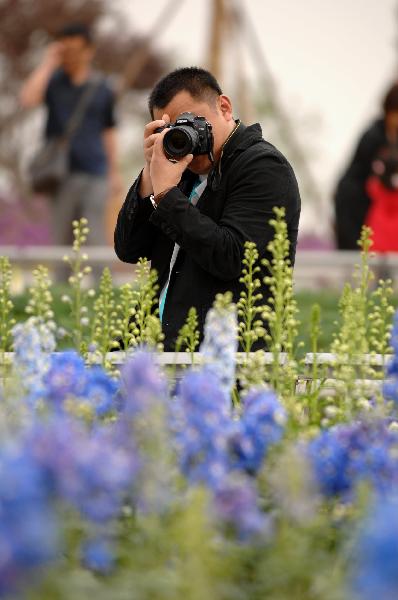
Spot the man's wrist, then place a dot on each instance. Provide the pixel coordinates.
(155, 199)
(145, 184)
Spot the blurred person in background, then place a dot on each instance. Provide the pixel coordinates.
(59, 82)
(191, 213)
(382, 189)
(355, 195)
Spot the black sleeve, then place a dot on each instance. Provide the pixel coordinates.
(134, 234)
(351, 201)
(255, 185)
(361, 162)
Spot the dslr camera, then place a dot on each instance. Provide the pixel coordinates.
(188, 135)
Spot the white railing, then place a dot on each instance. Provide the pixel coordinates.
(313, 268)
(326, 362)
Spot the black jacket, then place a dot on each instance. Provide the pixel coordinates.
(351, 202)
(251, 178)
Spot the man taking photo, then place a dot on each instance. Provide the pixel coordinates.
(191, 213)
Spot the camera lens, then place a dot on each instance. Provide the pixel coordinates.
(180, 141)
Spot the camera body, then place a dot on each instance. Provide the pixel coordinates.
(189, 134)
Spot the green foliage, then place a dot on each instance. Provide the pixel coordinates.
(104, 318)
(125, 313)
(380, 314)
(281, 311)
(140, 322)
(77, 301)
(40, 300)
(250, 326)
(351, 341)
(6, 306)
(188, 336)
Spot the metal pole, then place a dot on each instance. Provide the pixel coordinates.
(214, 59)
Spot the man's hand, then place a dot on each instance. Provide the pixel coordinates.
(150, 136)
(163, 173)
(33, 90)
(146, 187)
(52, 55)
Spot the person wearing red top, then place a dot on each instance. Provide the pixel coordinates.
(382, 190)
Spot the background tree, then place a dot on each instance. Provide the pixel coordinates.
(26, 28)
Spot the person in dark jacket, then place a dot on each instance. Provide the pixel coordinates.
(351, 199)
(191, 218)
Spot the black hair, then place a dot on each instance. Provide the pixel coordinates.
(390, 102)
(198, 82)
(76, 30)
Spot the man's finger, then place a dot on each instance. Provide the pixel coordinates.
(186, 159)
(149, 128)
(150, 140)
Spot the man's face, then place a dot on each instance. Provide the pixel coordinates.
(75, 52)
(218, 112)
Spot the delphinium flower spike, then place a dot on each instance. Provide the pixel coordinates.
(220, 342)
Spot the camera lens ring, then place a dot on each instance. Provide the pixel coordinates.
(180, 141)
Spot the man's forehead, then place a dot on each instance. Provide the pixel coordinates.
(182, 102)
(74, 40)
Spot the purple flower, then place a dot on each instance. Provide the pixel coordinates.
(201, 390)
(69, 379)
(66, 377)
(236, 504)
(90, 468)
(142, 386)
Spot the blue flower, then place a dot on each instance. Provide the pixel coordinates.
(236, 504)
(330, 462)
(66, 377)
(32, 345)
(220, 345)
(390, 387)
(100, 391)
(347, 454)
(201, 428)
(375, 555)
(90, 468)
(98, 555)
(394, 334)
(260, 426)
(28, 526)
(142, 386)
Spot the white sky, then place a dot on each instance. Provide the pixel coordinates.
(331, 59)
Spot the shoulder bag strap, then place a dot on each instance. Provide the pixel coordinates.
(76, 118)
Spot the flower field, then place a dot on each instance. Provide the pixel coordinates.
(245, 475)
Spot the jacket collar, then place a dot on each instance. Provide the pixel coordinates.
(241, 138)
